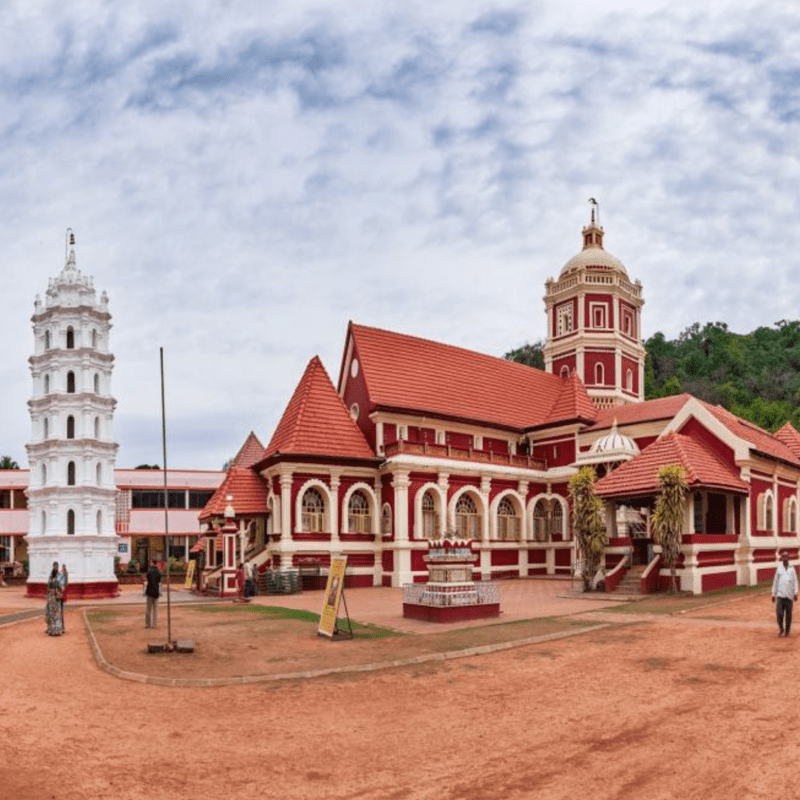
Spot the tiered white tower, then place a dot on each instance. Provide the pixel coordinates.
(72, 491)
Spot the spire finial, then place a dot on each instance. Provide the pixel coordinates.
(593, 233)
(69, 247)
(595, 210)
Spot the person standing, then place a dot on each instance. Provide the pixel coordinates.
(152, 592)
(52, 611)
(64, 581)
(784, 593)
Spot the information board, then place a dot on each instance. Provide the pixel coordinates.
(333, 595)
(190, 574)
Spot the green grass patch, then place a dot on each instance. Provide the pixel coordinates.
(664, 603)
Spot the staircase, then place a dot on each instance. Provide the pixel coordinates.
(631, 582)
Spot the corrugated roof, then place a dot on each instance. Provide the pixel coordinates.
(639, 476)
(249, 492)
(426, 377)
(316, 421)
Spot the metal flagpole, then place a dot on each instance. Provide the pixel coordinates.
(166, 496)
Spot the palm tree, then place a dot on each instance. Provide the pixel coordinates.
(6, 462)
(668, 516)
(587, 521)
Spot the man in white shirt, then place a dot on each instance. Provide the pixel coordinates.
(784, 593)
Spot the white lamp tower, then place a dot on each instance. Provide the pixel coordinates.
(72, 490)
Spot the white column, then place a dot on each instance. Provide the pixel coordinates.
(286, 504)
(336, 474)
(402, 553)
(444, 485)
(523, 530)
(486, 556)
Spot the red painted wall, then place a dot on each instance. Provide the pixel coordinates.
(355, 391)
(630, 364)
(566, 361)
(607, 301)
(505, 558)
(592, 357)
(463, 440)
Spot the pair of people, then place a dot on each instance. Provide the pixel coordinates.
(54, 609)
(784, 593)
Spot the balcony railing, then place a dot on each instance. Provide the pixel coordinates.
(461, 453)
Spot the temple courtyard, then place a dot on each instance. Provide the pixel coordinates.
(563, 696)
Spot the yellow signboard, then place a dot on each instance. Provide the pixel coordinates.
(333, 594)
(190, 574)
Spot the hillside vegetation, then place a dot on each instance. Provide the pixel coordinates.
(754, 375)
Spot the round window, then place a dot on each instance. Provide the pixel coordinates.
(354, 411)
(354, 368)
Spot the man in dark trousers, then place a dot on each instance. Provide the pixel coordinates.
(784, 593)
(152, 593)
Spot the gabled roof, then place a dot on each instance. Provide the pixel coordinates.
(573, 402)
(425, 377)
(761, 440)
(249, 453)
(647, 411)
(249, 491)
(317, 423)
(639, 476)
(789, 436)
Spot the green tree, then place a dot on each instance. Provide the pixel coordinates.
(587, 522)
(6, 462)
(668, 515)
(529, 354)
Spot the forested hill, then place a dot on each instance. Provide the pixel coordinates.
(755, 375)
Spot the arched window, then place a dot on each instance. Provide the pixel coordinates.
(99, 473)
(70, 427)
(71, 473)
(768, 511)
(94, 338)
(44, 521)
(97, 427)
(507, 521)
(557, 522)
(430, 519)
(99, 523)
(46, 427)
(96, 383)
(358, 517)
(790, 515)
(386, 520)
(629, 380)
(47, 384)
(70, 382)
(468, 523)
(599, 374)
(70, 338)
(47, 340)
(540, 528)
(564, 373)
(71, 522)
(313, 511)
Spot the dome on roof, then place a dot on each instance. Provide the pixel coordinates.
(593, 256)
(614, 445)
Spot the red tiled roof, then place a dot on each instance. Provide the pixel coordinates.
(789, 436)
(419, 375)
(639, 476)
(249, 491)
(761, 440)
(316, 421)
(573, 402)
(647, 411)
(249, 453)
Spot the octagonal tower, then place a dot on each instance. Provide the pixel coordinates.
(594, 323)
(72, 453)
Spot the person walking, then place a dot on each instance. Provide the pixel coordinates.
(152, 592)
(784, 593)
(63, 579)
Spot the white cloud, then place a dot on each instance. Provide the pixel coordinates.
(243, 179)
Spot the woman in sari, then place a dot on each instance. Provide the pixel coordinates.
(55, 623)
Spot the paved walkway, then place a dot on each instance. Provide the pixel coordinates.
(381, 606)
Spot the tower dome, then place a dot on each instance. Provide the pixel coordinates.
(593, 256)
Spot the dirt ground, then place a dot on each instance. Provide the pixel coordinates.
(699, 704)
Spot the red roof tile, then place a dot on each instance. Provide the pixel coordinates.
(316, 421)
(761, 440)
(422, 376)
(249, 491)
(639, 476)
(647, 411)
(249, 453)
(789, 436)
(573, 402)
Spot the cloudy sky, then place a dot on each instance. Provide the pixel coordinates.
(245, 177)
